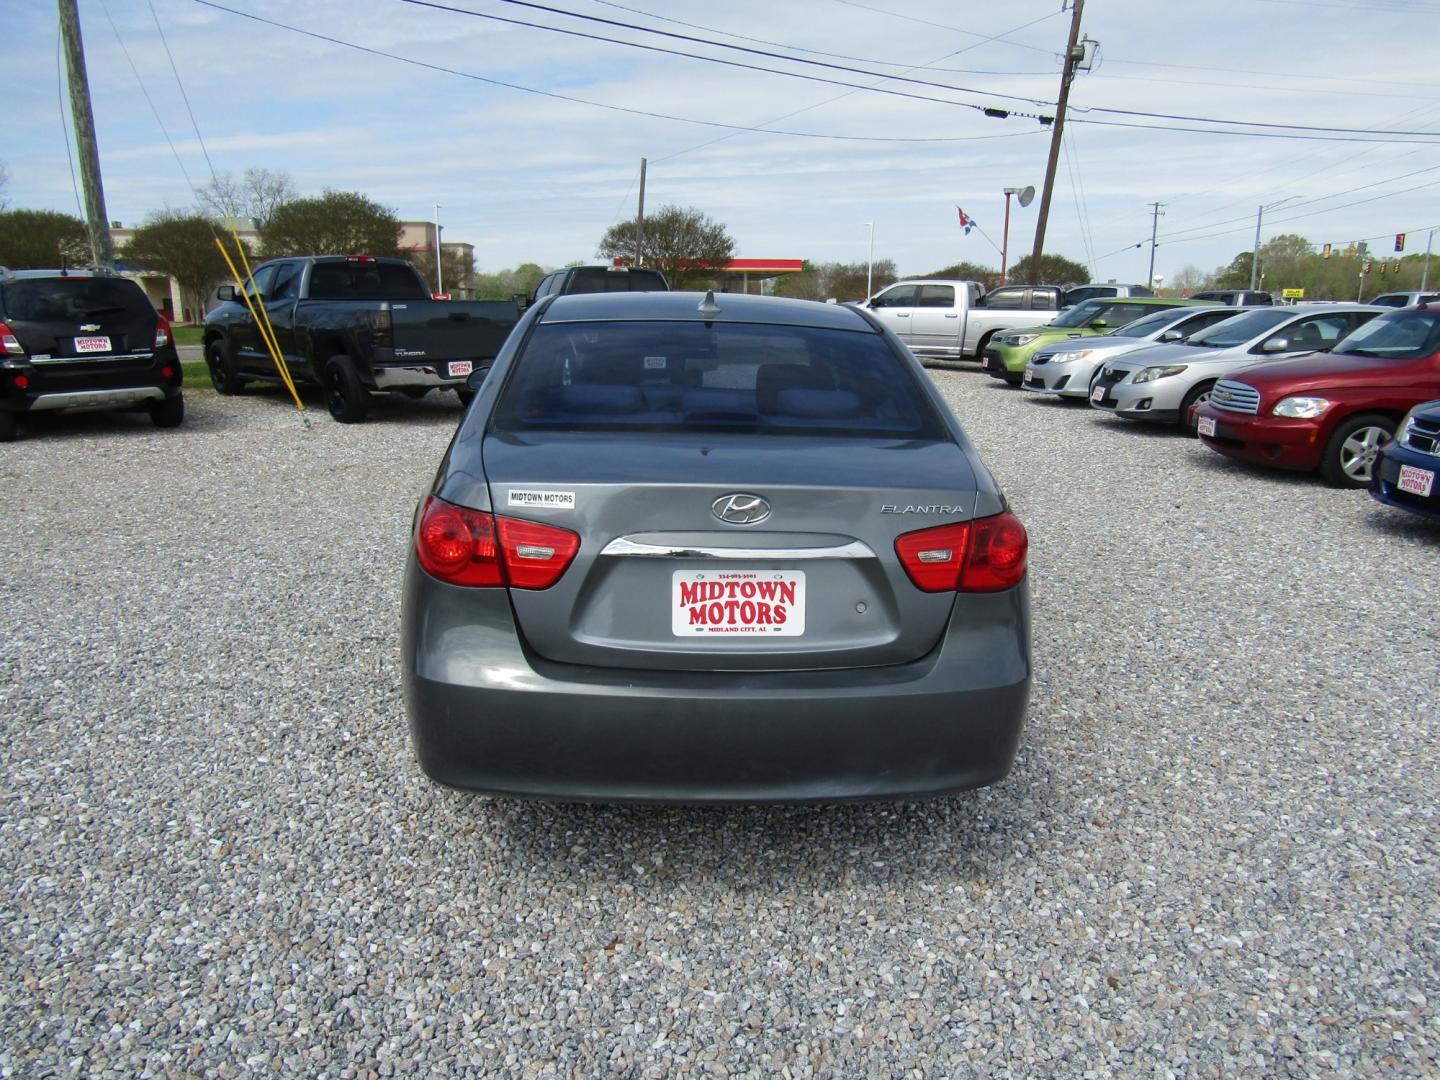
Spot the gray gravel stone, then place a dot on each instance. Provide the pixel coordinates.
(1216, 855)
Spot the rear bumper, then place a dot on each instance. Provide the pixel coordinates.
(487, 715)
(76, 400)
(72, 385)
(1265, 440)
(403, 376)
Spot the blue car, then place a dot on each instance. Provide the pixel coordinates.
(1405, 472)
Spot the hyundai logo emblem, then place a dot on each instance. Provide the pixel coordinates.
(740, 509)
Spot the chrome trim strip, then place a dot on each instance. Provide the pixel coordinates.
(387, 378)
(95, 399)
(625, 547)
(91, 358)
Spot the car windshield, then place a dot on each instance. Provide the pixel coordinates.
(1080, 314)
(691, 376)
(593, 281)
(1145, 325)
(1239, 329)
(72, 299)
(1403, 335)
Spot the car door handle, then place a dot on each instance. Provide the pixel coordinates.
(951, 315)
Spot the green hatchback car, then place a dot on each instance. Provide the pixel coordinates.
(1008, 353)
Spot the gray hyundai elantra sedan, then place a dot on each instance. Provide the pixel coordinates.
(688, 548)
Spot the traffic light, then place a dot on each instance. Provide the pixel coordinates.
(1399, 241)
(1366, 269)
(1325, 252)
(1395, 267)
(1382, 268)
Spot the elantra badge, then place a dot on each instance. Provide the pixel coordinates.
(740, 509)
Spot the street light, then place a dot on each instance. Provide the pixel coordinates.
(1255, 252)
(870, 266)
(1026, 194)
(439, 286)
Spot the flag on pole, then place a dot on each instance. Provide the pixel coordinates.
(966, 223)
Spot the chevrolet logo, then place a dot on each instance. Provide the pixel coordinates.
(89, 327)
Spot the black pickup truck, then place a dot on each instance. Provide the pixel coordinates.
(352, 324)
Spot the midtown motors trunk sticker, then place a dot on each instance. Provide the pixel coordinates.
(544, 500)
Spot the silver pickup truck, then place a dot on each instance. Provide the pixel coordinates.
(950, 320)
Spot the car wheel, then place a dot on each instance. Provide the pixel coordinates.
(1198, 395)
(9, 425)
(222, 369)
(345, 394)
(168, 413)
(1350, 454)
(465, 394)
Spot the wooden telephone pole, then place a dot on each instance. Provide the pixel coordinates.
(1066, 76)
(96, 219)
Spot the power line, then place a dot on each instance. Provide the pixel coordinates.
(942, 26)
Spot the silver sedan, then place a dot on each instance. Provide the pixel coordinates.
(1067, 368)
(1164, 383)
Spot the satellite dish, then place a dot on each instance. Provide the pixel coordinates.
(1027, 196)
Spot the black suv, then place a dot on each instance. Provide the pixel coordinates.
(590, 279)
(78, 340)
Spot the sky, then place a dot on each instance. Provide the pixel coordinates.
(531, 141)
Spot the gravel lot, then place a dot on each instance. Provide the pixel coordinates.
(1216, 855)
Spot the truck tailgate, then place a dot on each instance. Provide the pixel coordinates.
(451, 329)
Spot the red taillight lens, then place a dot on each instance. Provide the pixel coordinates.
(462, 547)
(933, 557)
(162, 331)
(535, 555)
(22, 382)
(9, 343)
(457, 545)
(985, 555)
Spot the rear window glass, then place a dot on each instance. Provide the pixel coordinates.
(684, 376)
(365, 281)
(1404, 335)
(593, 281)
(73, 299)
(1238, 329)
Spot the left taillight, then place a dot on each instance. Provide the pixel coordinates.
(478, 550)
(984, 555)
(162, 331)
(9, 343)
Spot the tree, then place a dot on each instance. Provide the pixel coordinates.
(336, 223)
(457, 266)
(182, 246)
(683, 244)
(987, 276)
(836, 281)
(257, 195)
(1190, 278)
(503, 284)
(1054, 270)
(42, 240)
(1237, 274)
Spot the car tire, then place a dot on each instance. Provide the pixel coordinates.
(1350, 454)
(169, 413)
(9, 425)
(345, 395)
(222, 369)
(1198, 395)
(466, 395)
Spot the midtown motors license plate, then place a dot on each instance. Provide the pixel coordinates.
(737, 603)
(1207, 426)
(92, 344)
(1098, 393)
(460, 367)
(1416, 481)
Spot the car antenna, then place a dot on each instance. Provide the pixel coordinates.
(708, 306)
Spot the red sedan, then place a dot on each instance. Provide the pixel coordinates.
(1329, 411)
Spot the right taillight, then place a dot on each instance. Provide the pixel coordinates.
(985, 555)
(475, 549)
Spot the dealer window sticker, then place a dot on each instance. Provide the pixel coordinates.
(533, 498)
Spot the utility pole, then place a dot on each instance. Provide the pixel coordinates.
(1425, 274)
(1154, 223)
(1255, 252)
(640, 220)
(870, 266)
(96, 219)
(1055, 132)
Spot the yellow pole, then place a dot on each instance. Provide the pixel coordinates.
(269, 342)
(268, 333)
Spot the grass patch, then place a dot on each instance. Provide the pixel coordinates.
(197, 375)
(187, 335)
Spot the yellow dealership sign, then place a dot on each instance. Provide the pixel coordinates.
(1292, 294)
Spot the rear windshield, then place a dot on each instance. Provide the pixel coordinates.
(1239, 329)
(687, 376)
(1401, 336)
(73, 299)
(366, 281)
(592, 281)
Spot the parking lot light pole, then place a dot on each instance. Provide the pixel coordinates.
(870, 265)
(439, 287)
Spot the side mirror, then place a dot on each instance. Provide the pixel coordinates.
(1172, 335)
(228, 292)
(477, 378)
(1276, 344)
(520, 300)
(1098, 324)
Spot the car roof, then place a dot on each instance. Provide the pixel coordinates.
(685, 307)
(76, 272)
